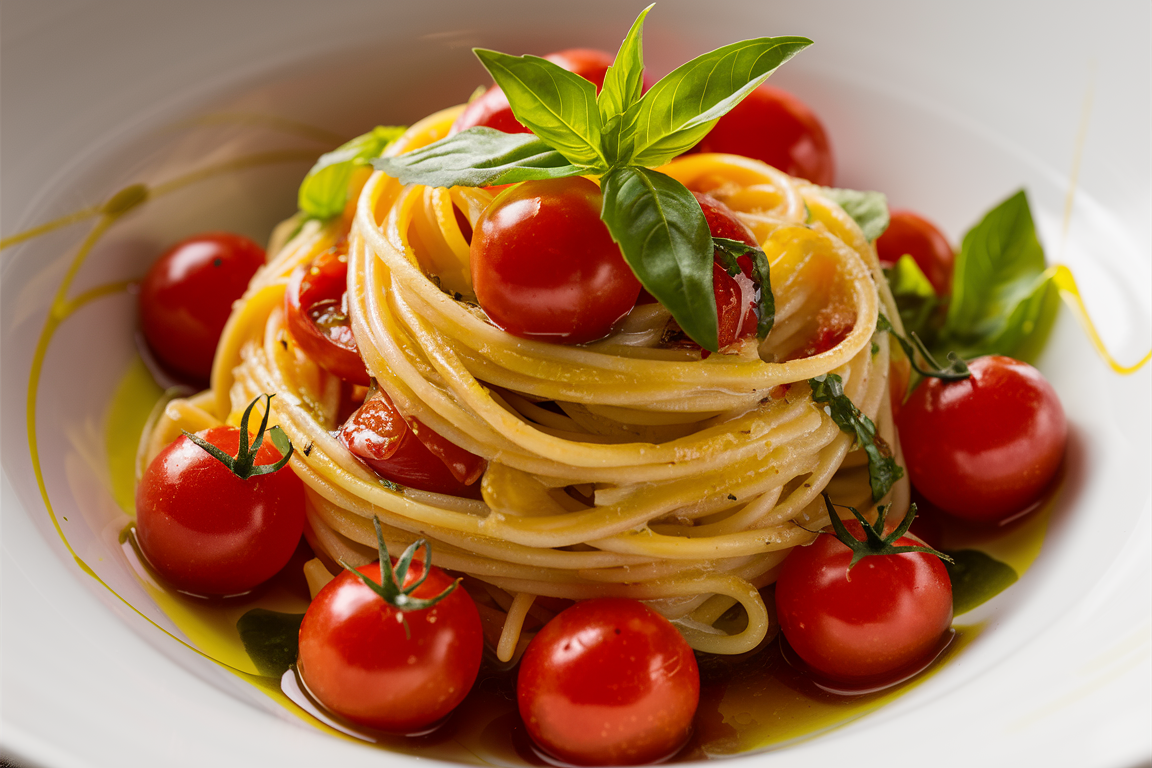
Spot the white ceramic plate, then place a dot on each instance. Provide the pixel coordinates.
(948, 109)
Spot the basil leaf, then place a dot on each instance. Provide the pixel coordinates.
(557, 105)
(684, 105)
(976, 578)
(664, 237)
(868, 209)
(623, 87)
(915, 298)
(478, 157)
(883, 470)
(1002, 299)
(324, 191)
(271, 639)
(730, 251)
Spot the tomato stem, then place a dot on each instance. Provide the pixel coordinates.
(957, 368)
(875, 542)
(243, 464)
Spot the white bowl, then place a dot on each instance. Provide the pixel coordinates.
(946, 108)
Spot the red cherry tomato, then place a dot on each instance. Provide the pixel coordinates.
(735, 296)
(187, 296)
(986, 447)
(912, 234)
(492, 110)
(608, 682)
(776, 127)
(410, 454)
(209, 532)
(545, 267)
(884, 619)
(316, 308)
(359, 661)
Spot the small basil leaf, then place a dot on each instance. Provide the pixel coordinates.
(883, 471)
(478, 157)
(324, 191)
(271, 639)
(915, 298)
(664, 237)
(684, 105)
(765, 301)
(557, 105)
(623, 87)
(976, 578)
(868, 209)
(999, 287)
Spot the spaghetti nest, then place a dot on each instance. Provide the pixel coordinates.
(634, 466)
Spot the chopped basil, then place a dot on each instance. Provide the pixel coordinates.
(868, 209)
(883, 470)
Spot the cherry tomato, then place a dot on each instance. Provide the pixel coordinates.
(885, 618)
(316, 307)
(735, 296)
(209, 532)
(187, 296)
(491, 109)
(608, 682)
(776, 127)
(912, 234)
(410, 453)
(385, 668)
(545, 267)
(986, 447)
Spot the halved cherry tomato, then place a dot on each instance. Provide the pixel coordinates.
(881, 621)
(545, 267)
(776, 127)
(316, 308)
(912, 234)
(986, 447)
(385, 668)
(187, 296)
(735, 296)
(408, 452)
(209, 532)
(491, 109)
(608, 682)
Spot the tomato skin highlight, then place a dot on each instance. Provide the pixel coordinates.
(777, 128)
(316, 309)
(986, 447)
(491, 109)
(912, 234)
(187, 295)
(888, 614)
(608, 682)
(208, 532)
(735, 316)
(356, 659)
(545, 267)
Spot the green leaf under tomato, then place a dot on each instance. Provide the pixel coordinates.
(324, 191)
(976, 578)
(664, 237)
(883, 470)
(557, 105)
(915, 298)
(682, 107)
(479, 157)
(271, 639)
(868, 209)
(1003, 301)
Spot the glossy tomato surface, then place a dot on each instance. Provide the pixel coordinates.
(358, 661)
(316, 308)
(209, 532)
(545, 267)
(884, 619)
(608, 682)
(410, 454)
(187, 296)
(735, 295)
(776, 127)
(912, 234)
(491, 109)
(986, 447)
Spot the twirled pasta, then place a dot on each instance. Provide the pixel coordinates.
(695, 475)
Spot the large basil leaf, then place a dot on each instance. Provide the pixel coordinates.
(868, 209)
(557, 105)
(324, 191)
(665, 239)
(623, 87)
(684, 105)
(478, 157)
(1002, 299)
